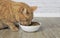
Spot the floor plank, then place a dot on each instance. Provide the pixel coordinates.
(50, 28)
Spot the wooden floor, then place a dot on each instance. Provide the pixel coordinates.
(50, 28)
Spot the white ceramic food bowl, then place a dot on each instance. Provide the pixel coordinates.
(30, 28)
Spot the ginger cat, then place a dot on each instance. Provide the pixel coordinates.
(11, 12)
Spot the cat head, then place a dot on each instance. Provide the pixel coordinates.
(26, 15)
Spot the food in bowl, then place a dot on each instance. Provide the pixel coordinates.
(34, 26)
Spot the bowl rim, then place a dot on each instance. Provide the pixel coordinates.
(33, 25)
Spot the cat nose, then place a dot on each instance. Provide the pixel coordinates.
(25, 19)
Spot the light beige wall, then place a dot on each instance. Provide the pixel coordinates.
(45, 7)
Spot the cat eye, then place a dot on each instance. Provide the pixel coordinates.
(27, 12)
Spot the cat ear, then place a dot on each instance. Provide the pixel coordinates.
(34, 8)
(24, 10)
